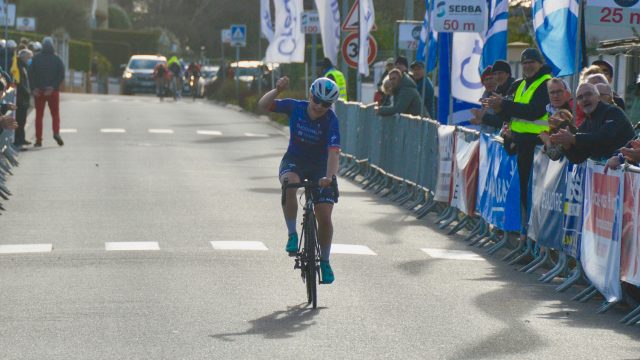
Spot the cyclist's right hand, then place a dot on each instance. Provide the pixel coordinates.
(282, 84)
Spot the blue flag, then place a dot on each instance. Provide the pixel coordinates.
(556, 26)
(427, 31)
(495, 38)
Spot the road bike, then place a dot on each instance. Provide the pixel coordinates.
(307, 259)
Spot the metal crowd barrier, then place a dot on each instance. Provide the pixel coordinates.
(8, 155)
(398, 157)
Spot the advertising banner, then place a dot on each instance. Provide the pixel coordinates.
(573, 205)
(445, 168)
(630, 256)
(465, 174)
(548, 191)
(499, 190)
(601, 231)
(288, 41)
(611, 19)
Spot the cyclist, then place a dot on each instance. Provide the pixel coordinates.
(313, 154)
(161, 75)
(193, 70)
(176, 70)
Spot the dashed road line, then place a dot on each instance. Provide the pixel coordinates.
(132, 246)
(239, 245)
(351, 249)
(248, 134)
(68, 131)
(160, 131)
(113, 130)
(209, 132)
(25, 248)
(453, 254)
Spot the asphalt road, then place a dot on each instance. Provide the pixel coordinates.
(208, 174)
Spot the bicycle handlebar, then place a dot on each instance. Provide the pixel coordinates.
(309, 185)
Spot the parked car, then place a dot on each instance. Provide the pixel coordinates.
(209, 76)
(249, 71)
(138, 74)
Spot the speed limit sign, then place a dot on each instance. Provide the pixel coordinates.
(351, 49)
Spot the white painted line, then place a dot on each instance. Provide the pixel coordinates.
(115, 130)
(25, 248)
(131, 246)
(67, 131)
(256, 135)
(161, 131)
(239, 245)
(351, 249)
(453, 254)
(209, 132)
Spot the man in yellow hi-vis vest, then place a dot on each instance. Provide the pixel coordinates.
(330, 71)
(527, 116)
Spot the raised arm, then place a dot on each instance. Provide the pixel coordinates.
(267, 99)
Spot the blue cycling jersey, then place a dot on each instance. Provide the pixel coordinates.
(310, 140)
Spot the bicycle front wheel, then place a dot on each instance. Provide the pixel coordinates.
(311, 268)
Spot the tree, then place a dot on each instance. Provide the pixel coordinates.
(118, 18)
(72, 15)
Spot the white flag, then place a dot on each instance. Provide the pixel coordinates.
(367, 19)
(287, 45)
(266, 25)
(329, 14)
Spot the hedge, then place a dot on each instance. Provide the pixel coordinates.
(118, 45)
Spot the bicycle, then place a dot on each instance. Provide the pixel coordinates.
(307, 259)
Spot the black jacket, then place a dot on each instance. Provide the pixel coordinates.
(601, 134)
(24, 91)
(46, 70)
(504, 88)
(536, 108)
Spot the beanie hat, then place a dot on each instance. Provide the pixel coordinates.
(485, 73)
(531, 54)
(501, 65)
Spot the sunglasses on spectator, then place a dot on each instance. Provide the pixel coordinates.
(585, 95)
(324, 104)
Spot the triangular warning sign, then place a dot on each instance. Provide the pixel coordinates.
(352, 22)
(238, 34)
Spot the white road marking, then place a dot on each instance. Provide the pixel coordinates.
(25, 248)
(209, 132)
(131, 246)
(63, 131)
(114, 130)
(351, 249)
(161, 131)
(238, 245)
(256, 135)
(453, 254)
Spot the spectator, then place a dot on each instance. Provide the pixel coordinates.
(596, 79)
(527, 114)
(330, 71)
(406, 99)
(605, 129)
(606, 94)
(386, 89)
(593, 69)
(23, 97)
(402, 64)
(608, 72)
(629, 153)
(46, 74)
(559, 96)
(501, 71)
(423, 81)
(486, 117)
(562, 119)
(388, 66)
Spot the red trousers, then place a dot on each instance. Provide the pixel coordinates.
(54, 107)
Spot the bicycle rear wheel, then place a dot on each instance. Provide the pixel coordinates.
(311, 264)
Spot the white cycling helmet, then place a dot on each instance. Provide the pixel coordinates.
(325, 90)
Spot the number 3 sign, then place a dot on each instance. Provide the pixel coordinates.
(351, 48)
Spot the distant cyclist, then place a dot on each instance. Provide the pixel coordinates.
(161, 75)
(176, 70)
(193, 75)
(313, 154)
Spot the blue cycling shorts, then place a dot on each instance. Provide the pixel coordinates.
(311, 172)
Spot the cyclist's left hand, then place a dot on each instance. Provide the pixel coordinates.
(324, 182)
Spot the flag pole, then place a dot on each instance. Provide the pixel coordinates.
(359, 78)
(578, 55)
(426, 58)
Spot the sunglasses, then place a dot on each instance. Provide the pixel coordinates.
(324, 104)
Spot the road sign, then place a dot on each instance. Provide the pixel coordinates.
(409, 34)
(225, 35)
(238, 35)
(7, 14)
(460, 16)
(310, 22)
(26, 24)
(351, 49)
(352, 22)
